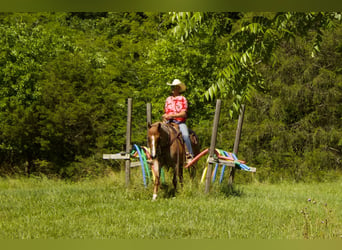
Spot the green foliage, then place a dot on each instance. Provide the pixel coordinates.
(293, 127)
(253, 40)
(26, 46)
(65, 79)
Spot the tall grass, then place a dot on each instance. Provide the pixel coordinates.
(41, 208)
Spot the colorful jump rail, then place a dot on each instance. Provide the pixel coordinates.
(143, 154)
(221, 157)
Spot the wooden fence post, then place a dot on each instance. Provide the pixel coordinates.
(213, 144)
(128, 140)
(236, 143)
(148, 117)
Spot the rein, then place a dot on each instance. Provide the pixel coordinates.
(178, 135)
(166, 128)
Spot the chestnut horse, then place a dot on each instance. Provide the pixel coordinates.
(168, 149)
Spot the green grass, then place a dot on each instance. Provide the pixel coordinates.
(40, 208)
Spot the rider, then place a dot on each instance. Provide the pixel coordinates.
(176, 108)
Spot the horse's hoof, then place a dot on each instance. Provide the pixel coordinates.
(154, 197)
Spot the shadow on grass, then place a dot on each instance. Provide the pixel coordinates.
(230, 191)
(168, 191)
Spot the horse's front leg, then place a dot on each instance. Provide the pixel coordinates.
(156, 172)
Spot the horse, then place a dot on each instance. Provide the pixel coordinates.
(167, 148)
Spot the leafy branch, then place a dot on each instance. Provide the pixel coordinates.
(254, 42)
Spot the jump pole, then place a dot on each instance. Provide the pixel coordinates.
(128, 140)
(148, 117)
(236, 143)
(125, 155)
(213, 144)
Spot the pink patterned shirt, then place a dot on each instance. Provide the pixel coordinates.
(175, 105)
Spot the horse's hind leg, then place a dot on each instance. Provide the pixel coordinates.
(180, 175)
(196, 149)
(175, 174)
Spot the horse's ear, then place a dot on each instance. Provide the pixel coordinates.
(159, 126)
(149, 125)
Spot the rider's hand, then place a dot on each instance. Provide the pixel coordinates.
(167, 117)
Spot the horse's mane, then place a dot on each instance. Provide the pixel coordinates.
(166, 127)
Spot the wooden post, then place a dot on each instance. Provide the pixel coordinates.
(213, 144)
(128, 139)
(148, 117)
(237, 142)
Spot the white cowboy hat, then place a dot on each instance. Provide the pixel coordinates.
(177, 82)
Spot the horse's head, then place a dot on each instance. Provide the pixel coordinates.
(154, 138)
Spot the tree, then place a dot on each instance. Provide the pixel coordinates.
(26, 46)
(253, 40)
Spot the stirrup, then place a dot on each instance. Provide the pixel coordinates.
(189, 158)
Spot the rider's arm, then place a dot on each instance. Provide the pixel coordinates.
(181, 114)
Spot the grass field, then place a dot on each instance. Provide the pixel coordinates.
(40, 208)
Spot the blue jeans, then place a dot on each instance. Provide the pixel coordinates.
(185, 133)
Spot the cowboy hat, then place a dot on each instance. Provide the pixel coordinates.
(177, 82)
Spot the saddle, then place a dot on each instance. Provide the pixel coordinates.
(193, 137)
(175, 128)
